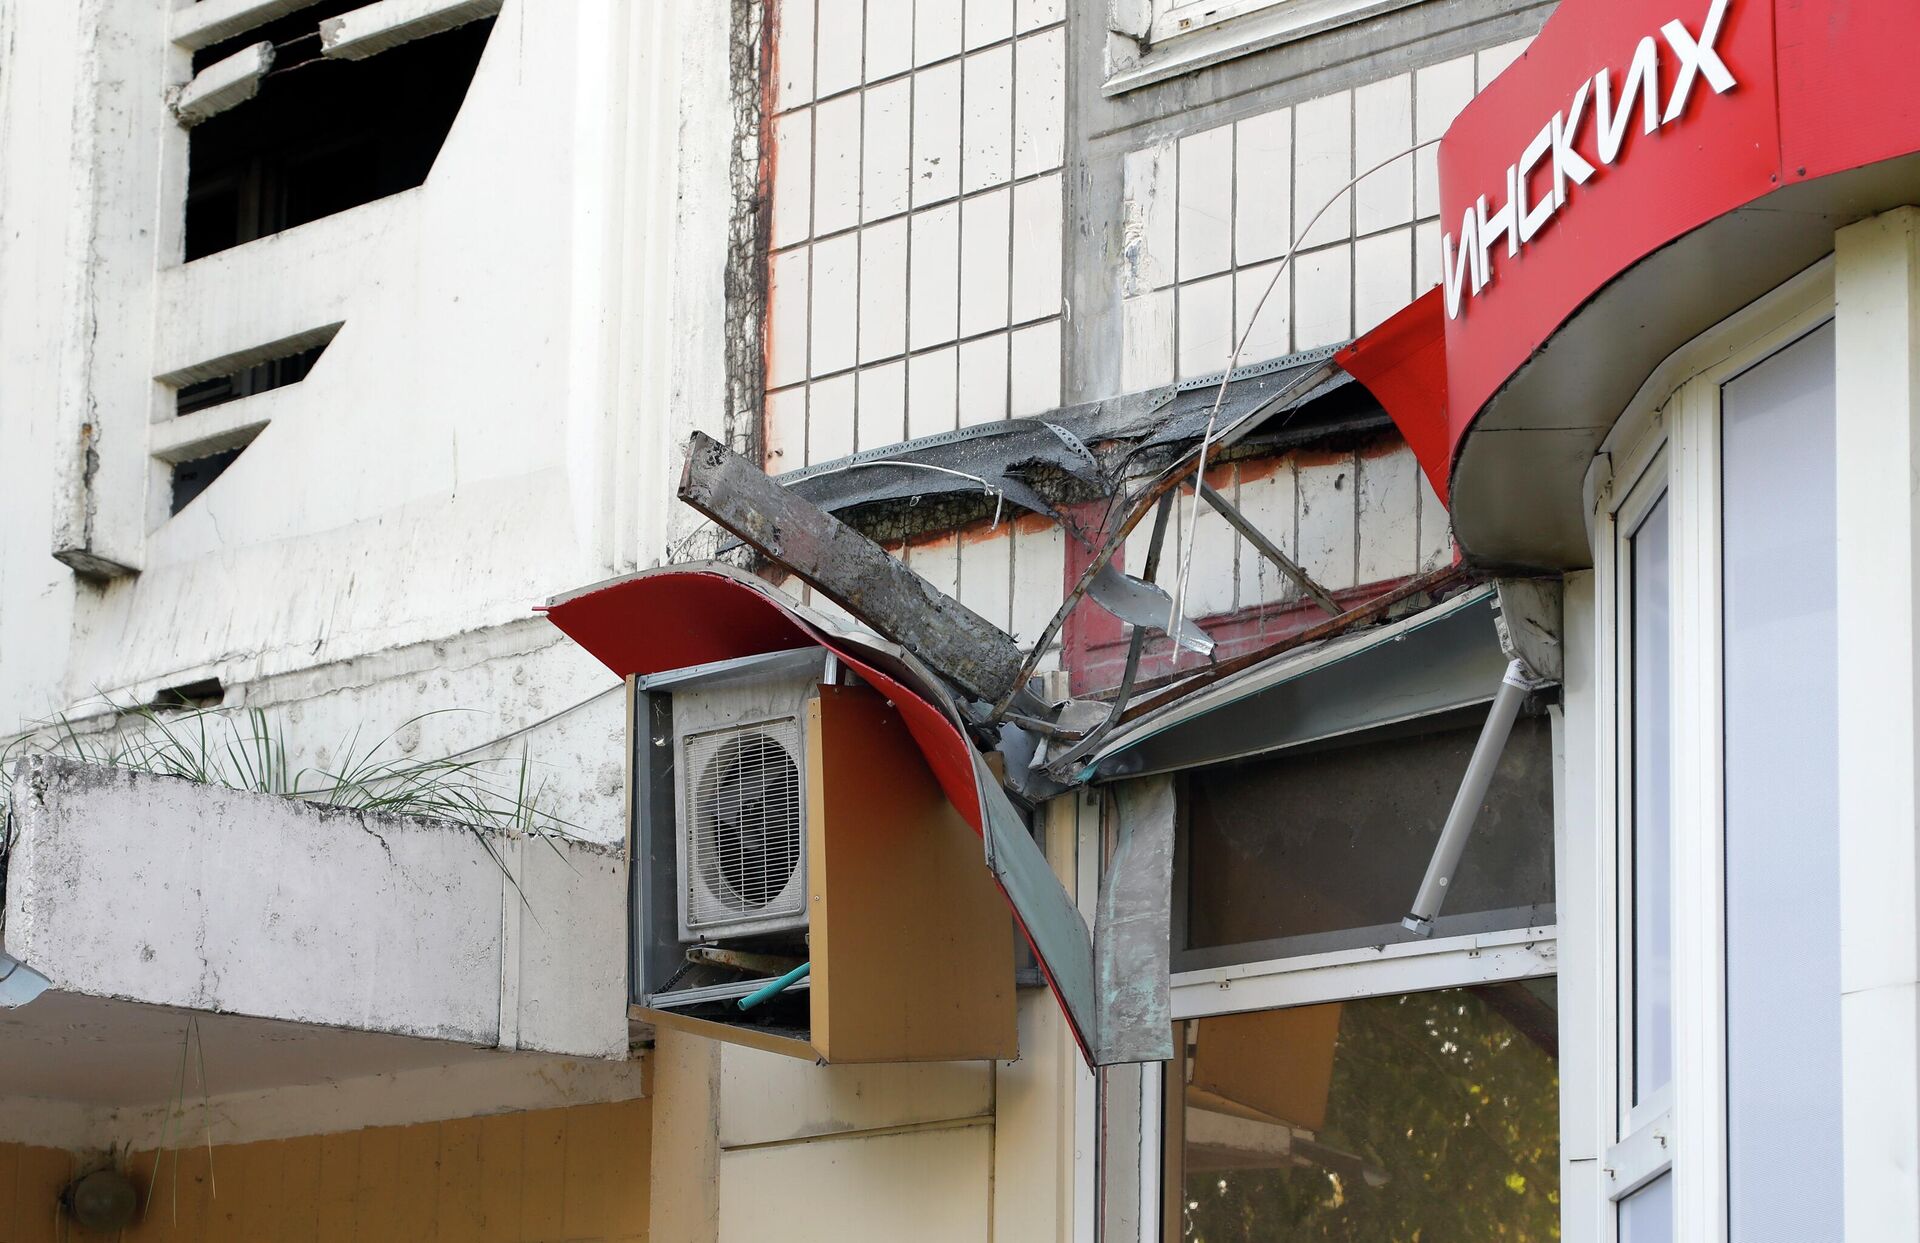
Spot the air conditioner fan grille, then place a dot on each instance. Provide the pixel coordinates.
(744, 824)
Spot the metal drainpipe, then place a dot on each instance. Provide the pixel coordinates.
(1466, 804)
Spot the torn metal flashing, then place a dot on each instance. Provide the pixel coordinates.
(1088, 451)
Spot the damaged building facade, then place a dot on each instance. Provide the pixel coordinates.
(956, 619)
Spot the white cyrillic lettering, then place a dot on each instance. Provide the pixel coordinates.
(1568, 164)
(1455, 271)
(1503, 223)
(1697, 58)
(1642, 78)
(1467, 264)
(1533, 219)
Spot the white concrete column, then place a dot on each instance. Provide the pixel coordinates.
(1877, 293)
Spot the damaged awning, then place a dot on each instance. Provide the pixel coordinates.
(680, 616)
(1032, 462)
(1443, 658)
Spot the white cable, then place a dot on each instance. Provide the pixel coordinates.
(1206, 440)
(986, 486)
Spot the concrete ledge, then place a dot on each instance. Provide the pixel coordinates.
(162, 891)
(224, 84)
(385, 24)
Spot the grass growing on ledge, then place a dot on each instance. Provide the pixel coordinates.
(244, 749)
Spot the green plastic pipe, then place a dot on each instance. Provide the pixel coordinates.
(776, 987)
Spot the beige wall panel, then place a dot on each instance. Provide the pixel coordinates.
(932, 1186)
(578, 1174)
(1033, 1128)
(686, 1104)
(765, 1098)
(912, 949)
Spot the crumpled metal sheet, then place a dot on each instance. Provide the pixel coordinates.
(1146, 605)
(999, 456)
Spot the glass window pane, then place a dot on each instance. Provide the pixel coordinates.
(1646, 1216)
(1323, 847)
(1782, 789)
(1425, 1116)
(1652, 763)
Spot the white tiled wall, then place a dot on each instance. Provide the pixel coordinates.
(915, 283)
(1347, 519)
(1207, 215)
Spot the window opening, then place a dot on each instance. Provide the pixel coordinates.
(191, 478)
(206, 693)
(260, 378)
(1317, 848)
(1781, 726)
(1429, 1115)
(1646, 1216)
(1652, 958)
(324, 134)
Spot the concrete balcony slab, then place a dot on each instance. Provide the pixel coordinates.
(311, 942)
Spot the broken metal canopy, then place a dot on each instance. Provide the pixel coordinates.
(1445, 657)
(677, 617)
(1086, 451)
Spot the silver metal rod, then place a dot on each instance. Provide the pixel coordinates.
(1466, 804)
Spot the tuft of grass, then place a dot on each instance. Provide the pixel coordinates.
(245, 749)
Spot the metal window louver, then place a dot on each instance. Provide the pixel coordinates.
(744, 825)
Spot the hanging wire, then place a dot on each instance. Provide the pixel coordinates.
(1177, 611)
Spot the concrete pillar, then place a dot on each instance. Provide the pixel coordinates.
(1877, 293)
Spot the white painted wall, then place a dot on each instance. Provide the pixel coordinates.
(528, 338)
(467, 445)
(163, 891)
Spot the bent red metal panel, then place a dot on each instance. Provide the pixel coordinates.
(1403, 363)
(653, 623)
(657, 621)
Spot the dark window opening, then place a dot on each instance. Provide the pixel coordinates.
(206, 693)
(323, 135)
(1321, 847)
(259, 378)
(190, 479)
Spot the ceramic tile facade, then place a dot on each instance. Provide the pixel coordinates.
(1231, 198)
(1349, 519)
(917, 220)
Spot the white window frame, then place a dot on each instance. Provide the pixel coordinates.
(1668, 442)
(1642, 1150)
(1342, 975)
(1159, 39)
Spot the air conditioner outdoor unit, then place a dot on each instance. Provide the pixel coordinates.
(740, 793)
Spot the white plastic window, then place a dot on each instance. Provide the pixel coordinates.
(1718, 856)
(1650, 556)
(1782, 798)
